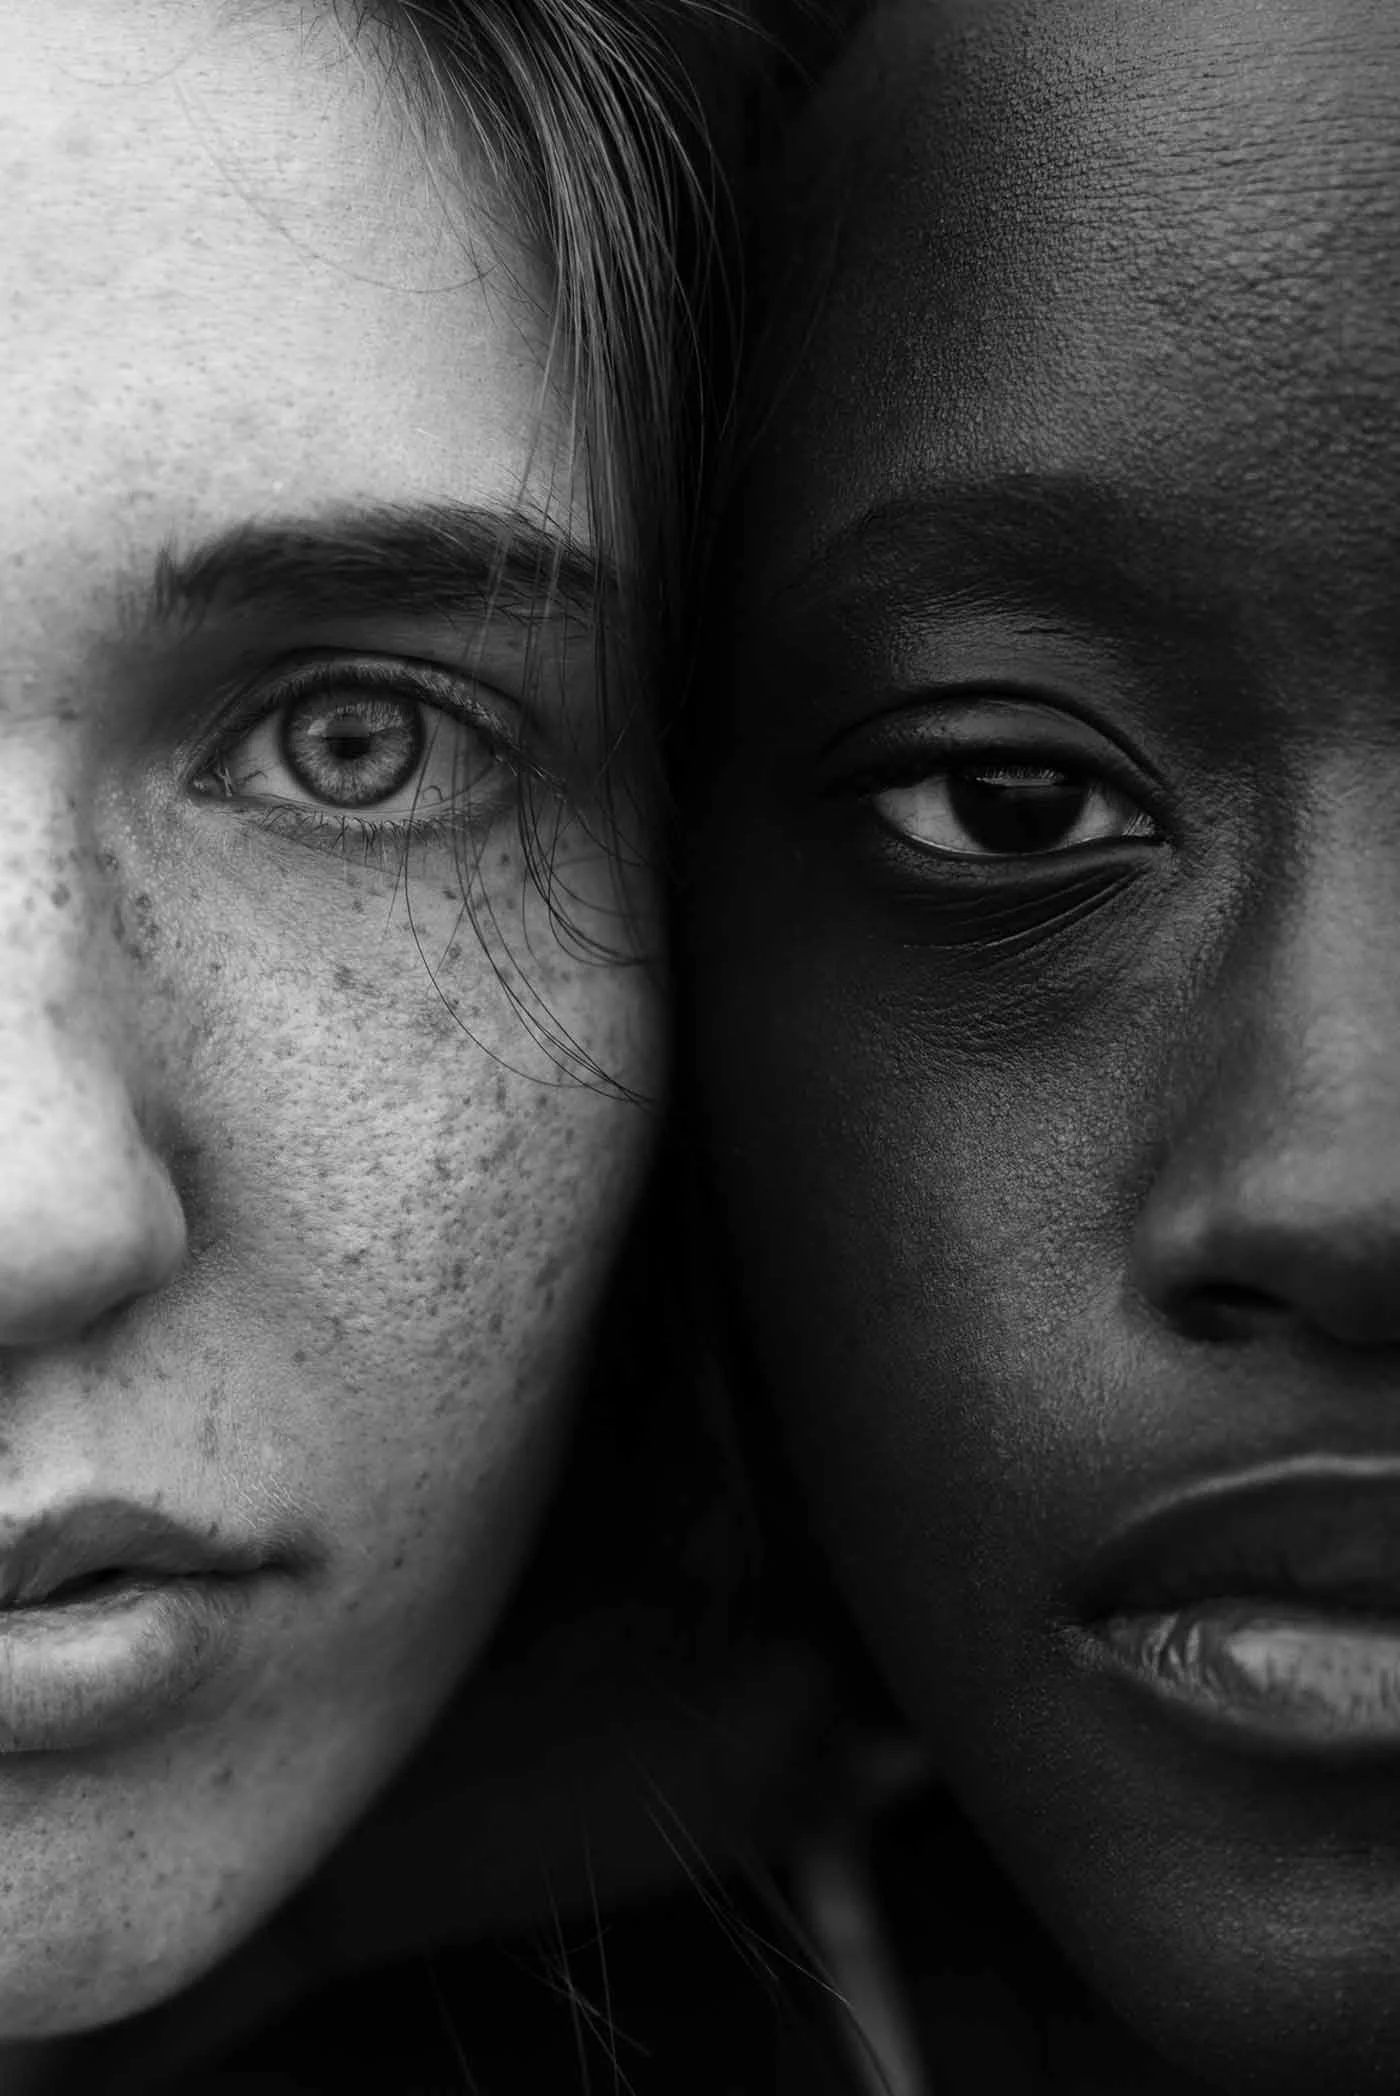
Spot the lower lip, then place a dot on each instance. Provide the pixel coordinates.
(1269, 1675)
(104, 1668)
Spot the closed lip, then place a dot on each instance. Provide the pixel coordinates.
(67, 1552)
(1323, 1532)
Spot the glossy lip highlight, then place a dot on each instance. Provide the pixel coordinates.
(1263, 1607)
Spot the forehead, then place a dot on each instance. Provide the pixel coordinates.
(1076, 235)
(231, 278)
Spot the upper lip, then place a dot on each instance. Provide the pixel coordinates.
(87, 1538)
(1324, 1531)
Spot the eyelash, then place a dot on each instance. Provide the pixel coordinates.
(340, 829)
(990, 767)
(948, 745)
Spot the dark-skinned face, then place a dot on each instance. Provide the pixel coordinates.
(1048, 955)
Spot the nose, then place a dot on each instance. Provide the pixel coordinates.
(1277, 1200)
(89, 1217)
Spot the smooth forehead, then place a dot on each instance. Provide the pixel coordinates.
(137, 136)
(1020, 233)
(234, 279)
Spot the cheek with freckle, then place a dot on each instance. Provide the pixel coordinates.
(412, 1205)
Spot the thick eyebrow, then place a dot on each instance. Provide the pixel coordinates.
(437, 561)
(1061, 540)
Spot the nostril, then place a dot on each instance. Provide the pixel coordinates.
(1227, 1310)
(1227, 1296)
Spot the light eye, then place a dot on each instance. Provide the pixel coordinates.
(987, 809)
(352, 752)
(370, 738)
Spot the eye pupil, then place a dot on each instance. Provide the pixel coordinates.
(1008, 810)
(347, 747)
(352, 752)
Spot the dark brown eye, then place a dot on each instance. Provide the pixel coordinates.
(988, 809)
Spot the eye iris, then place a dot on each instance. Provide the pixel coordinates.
(1011, 810)
(353, 752)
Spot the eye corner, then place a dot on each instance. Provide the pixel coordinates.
(252, 761)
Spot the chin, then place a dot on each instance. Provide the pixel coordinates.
(1250, 2027)
(1249, 1966)
(61, 1988)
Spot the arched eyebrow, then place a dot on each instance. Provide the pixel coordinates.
(439, 561)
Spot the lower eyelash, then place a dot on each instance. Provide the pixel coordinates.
(338, 829)
(357, 837)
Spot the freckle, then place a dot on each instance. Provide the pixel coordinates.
(502, 1094)
(504, 1147)
(146, 918)
(345, 979)
(494, 1323)
(549, 1273)
(299, 1358)
(61, 895)
(397, 1565)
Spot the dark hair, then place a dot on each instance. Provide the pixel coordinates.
(615, 133)
(622, 133)
(589, 122)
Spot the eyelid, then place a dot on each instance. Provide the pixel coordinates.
(456, 693)
(394, 675)
(936, 731)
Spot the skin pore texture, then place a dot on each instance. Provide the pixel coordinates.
(1061, 1180)
(302, 1227)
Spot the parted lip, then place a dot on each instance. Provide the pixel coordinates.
(84, 1541)
(1321, 1531)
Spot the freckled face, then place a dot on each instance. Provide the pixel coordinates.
(1047, 897)
(301, 1227)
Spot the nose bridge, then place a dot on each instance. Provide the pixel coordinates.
(88, 1216)
(53, 891)
(1279, 1186)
